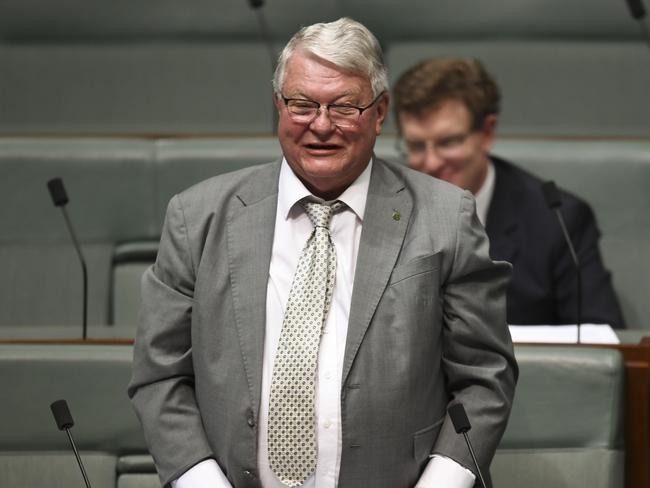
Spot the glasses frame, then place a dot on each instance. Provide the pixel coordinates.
(400, 142)
(327, 107)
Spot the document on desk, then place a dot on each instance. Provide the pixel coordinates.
(564, 334)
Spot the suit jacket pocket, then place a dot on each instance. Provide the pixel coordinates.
(424, 439)
(414, 267)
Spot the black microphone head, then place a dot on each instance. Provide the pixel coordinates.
(551, 194)
(637, 10)
(62, 414)
(256, 3)
(459, 418)
(57, 191)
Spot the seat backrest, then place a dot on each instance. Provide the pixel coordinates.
(566, 425)
(119, 189)
(109, 183)
(179, 164)
(619, 198)
(199, 67)
(553, 87)
(93, 380)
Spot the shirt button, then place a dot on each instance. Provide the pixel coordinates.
(328, 375)
(327, 424)
(251, 422)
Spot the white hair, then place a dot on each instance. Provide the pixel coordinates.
(344, 43)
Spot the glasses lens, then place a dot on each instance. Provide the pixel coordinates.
(344, 116)
(305, 111)
(302, 110)
(443, 147)
(414, 148)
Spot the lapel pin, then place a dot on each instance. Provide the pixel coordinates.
(396, 215)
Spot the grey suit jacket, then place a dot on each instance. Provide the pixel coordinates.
(427, 326)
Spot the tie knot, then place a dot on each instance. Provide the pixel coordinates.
(320, 214)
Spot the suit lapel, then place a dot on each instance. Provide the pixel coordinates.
(387, 214)
(502, 222)
(250, 242)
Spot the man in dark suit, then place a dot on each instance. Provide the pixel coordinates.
(277, 350)
(447, 110)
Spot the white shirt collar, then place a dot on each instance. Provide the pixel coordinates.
(291, 190)
(483, 197)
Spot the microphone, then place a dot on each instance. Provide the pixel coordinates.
(553, 201)
(637, 10)
(60, 199)
(257, 5)
(64, 421)
(57, 191)
(462, 426)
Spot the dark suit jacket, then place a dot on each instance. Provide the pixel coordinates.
(427, 325)
(524, 231)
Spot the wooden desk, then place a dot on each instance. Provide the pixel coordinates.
(637, 413)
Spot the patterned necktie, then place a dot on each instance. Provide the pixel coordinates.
(292, 418)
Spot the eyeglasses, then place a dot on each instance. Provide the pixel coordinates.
(444, 147)
(305, 111)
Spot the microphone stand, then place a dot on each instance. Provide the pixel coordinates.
(462, 425)
(576, 263)
(76, 454)
(60, 199)
(554, 202)
(84, 270)
(64, 421)
(257, 5)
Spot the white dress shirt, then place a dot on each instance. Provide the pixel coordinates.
(292, 229)
(483, 196)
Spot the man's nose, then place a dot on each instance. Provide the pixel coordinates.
(431, 163)
(322, 122)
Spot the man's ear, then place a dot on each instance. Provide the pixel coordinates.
(382, 112)
(277, 101)
(488, 131)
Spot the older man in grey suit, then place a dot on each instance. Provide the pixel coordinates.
(246, 376)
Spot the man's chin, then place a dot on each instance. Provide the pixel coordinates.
(322, 164)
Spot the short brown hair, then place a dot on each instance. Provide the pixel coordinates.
(433, 81)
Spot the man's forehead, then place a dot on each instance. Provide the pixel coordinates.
(305, 69)
(447, 109)
(298, 90)
(435, 121)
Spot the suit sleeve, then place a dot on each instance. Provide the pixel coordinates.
(162, 383)
(478, 358)
(599, 302)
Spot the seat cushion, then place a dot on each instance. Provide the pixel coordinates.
(49, 469)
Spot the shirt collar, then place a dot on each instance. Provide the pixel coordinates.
(483, 197)
(291, 190)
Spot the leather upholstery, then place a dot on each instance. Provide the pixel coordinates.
(566, 422)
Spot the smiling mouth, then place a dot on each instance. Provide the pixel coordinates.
(322, 147)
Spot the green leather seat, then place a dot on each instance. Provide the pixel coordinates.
(565, 428)
(566, 425)
(93, 380)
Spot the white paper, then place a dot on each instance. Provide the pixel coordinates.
(564, 334)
